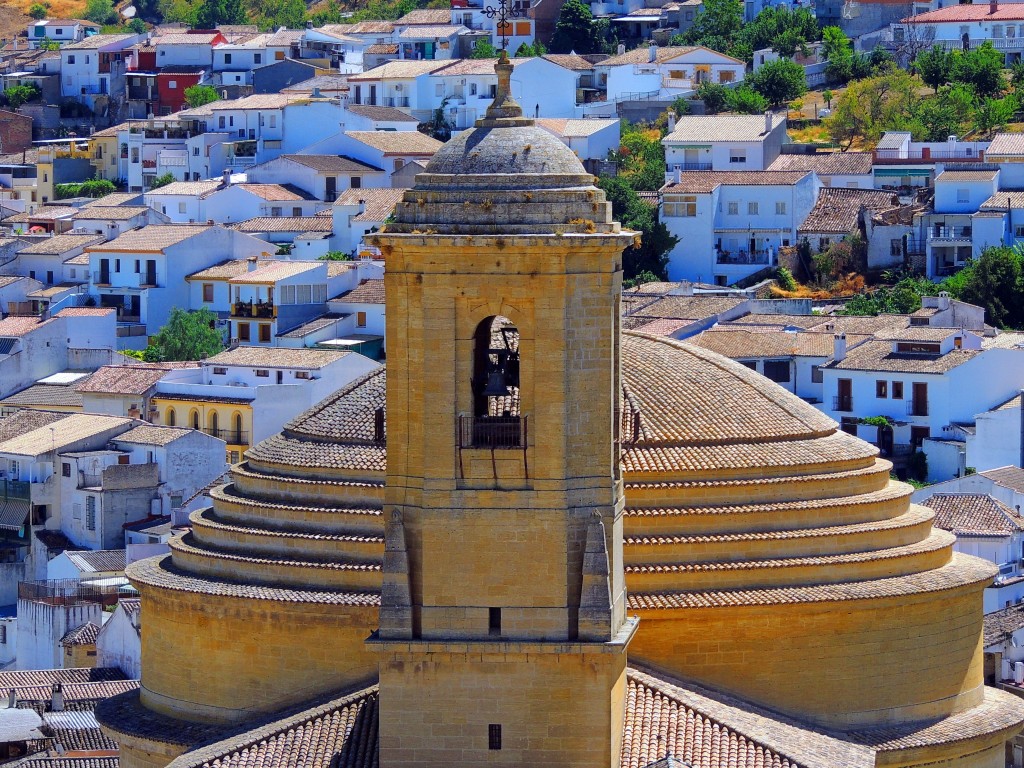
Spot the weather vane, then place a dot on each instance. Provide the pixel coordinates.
(504, 13)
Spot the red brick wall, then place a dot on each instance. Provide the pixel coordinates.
(15, 132)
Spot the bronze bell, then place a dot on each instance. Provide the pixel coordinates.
(496, 386)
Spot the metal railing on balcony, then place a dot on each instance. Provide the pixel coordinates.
(263, 309)
(71, 592)
(686, 167)
(229, 436)
(741, 257)
(396, 101)
(917, 407)
(842, 403)
(492, 432)
(950, 233)
(927, 155)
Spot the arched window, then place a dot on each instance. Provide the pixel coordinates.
(237, 429)
(169, 418)
(214, 423)
(496, 402)
(194, 419)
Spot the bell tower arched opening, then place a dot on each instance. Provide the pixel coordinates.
(497, 418)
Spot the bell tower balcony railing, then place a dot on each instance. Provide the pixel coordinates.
(492, 432)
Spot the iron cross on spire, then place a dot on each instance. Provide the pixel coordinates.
(504, 11)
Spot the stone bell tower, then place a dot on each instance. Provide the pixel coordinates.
(503, 632)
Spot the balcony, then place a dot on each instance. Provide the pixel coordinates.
(950, 234)
(492, 432)
(917, 407)
(926, 155)
(229, 436)
(260, 309)
(742, 257)
(395, 101)
(686, 167)
(72, 592)
(843, 403)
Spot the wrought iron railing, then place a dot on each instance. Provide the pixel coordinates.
(492, 432)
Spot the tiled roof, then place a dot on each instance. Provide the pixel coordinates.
(71, 762)
(98, 560)
(111, 212)
(973, 514)
(365, 28)
(276, 357)
(339, 733)
(223, 271)
(86, 312)
(569, 61)
(153, 237)
(574, 128)
(708, 181)
(18, 326)
(59, 244)
(685, 307)
(285, 224)
(277, 192)
(82, 635)
(47, 677)
(397, 142)
(332, 163)
(878, 356)
(46, 213)
(1008, 477)
(45, 395)
(919, 333)
(378, 202)
(186, 39)
(955, 176)
(968, 13)
(150, 434)
(426, 16)
(741, 344)
(1002, 143)
(664, 54)
(1000, 625)
(381, 49)
(399, 69)
(123, 379)
(826, 163)
(998, 201)
(321, 82)
(704, 128)
(312, 326)
(367, 292)
(97, 41)
(270, 272)
(837, 210)
(388, 114)
(116, 198)
(421, 31)
(189, 188)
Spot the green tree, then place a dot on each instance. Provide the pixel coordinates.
(827, 95)
(17, 95)
(746, 101)
(38, 11)
(212, 13)
(575, 30)
(994, 281)
(335, 256)
(198, 95)
(187, 336)
(484, 49)
(1017, 74)
(162, 180)
(714, 95)
(101, 12)
(779, 81)
(525, 51)
(136, 25)
(992, 115)
(780, 28)
(934, 66)
(981, 68)
(838, 52)
(656, 243)
(871, 106)
(948, 114)
(716, 26)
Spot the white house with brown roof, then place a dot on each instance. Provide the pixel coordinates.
(43, 259)
(839, 212)
(847, 170)
(365, 304)
(109, 221)
(358, 211)
(229, 202)
(142, 273)
(388, 150)
(62, 31)
(962, 27)
(323, 176)
(95, 67)
(731, 224)
(962, 223)
(367, 117)
(665, 73)
(591, 139)
(119, 643)
(724, 143)
(188, 48)
(125, 389)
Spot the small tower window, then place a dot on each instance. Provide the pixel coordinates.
(494, 736)
(495, 421)
(494, 621)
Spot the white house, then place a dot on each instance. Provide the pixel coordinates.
(901, 162)
(957, 229)
(389, 150)
(732, 224)
(109, 221)
(187, 49)
(961, 27)
(142, 272)
(592, 140)
(323, 176)
(366, 117)
(847, 170)
(61, 31)
(228, 202)
(358, 211)
(724, 143)
(401, 84)
(119, 643)
(665, 73)
(92, 70)
(183, 202)
(365, 302)
(43, 260)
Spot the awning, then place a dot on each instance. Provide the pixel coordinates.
(903, 172)
(13, 514)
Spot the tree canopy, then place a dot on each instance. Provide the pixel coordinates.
(635, 214)
(187, 336)
(575, 30)
(198, 95)
(101, 12)
(779, 81)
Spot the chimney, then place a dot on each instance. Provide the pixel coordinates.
(943, 300)
(309, 25)
(12, 699)
(621, 49)
(671, 120)
(316, 93)
(226, 178)
(767, 122)
(57, 698)
(839, 347)
(652, 53)
(993, 6)
(251, 264)
(679, 175)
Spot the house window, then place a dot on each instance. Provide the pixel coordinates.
(734, 208)
(896, 247)
(752, 208)
(356, 182)
(439, 89)
(257, 58)
(963, 196)
(90, 513)
(494, 736)
(264, 333)
(682, 205)
(737, 155)
(275, 210)
(1018, 231)
(65, 469)
(227, 58)
(243, 332)
(117, 265)
(207, 292)
(172, 84)
(360, 319)
(816, 377)
(71, 59)
(494, 621)
(263, 373)
(897, 390)
(273, 121)
(881, 389)
(302, 374)
(182, 207)
(220, 371)
(780, 208)
(777, 370)
(138, 267)
(195, 151)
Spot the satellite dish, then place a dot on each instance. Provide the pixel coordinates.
(128, 12)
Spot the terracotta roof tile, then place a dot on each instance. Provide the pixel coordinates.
(690, 128)
(150, 434)
(879, 356)
(837, 210)
(123, 379)
(60, 244)
(397, 142)
(154, 237)
(285, 224)
(426, 16)
(277, 192)
(223, 271)
(276, 357)
(663, 54)
(387, 114)
(1008, 477)
(378, 203)
(84, 634)
(332, 163)
(45, 396)
(707, 181)
(269, 272)
(367, 292)
(973, 514)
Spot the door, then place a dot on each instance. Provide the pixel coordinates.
(150, 272)
(373, 95)
(104, 271)
(844, 397)
(332, 189)
(885, 440)
(690, 159)
(919, 401)
(280, 377)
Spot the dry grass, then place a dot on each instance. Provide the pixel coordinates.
(845, 286)
(59, 9)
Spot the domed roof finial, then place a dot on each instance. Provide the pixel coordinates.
(504, 106)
